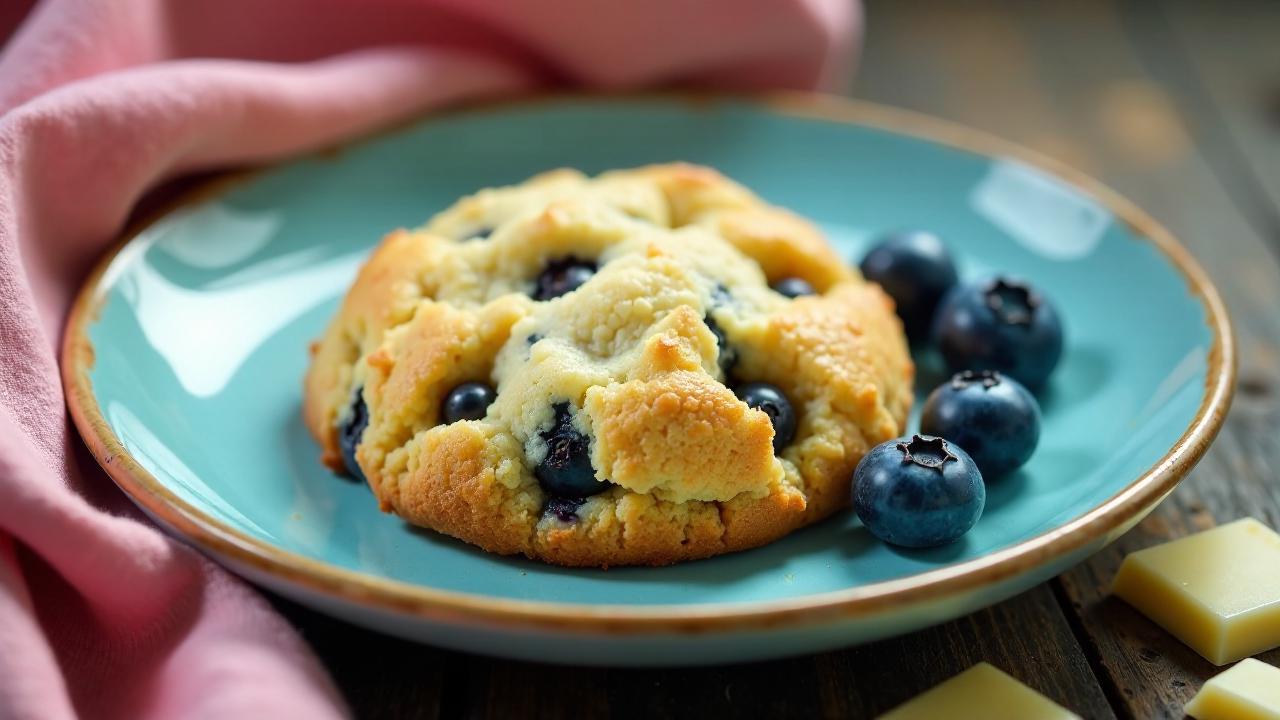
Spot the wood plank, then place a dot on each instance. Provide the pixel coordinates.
(379, 676)
(1153, 672)
(1065, 79)
(1018, 70)
(1231, 57)
(1081, 81)
(1028, 637)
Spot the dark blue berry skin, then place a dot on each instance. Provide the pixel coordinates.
(720, 296)
(562, 276)
(565, 509)
(771, 400)
(994, 418)
(918, 493)
(728, 356)
(916, 270)
(1000, 324)
(468, 401)
(566, 471)
(350, 432)
(479, 234)
(794, 287)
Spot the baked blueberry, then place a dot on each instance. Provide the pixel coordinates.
(793, 287)
(563, 276)
(728, 357)
(565, 509)
(481, 233)
(468, 401)
(994, 418)
(350, 432)
(673, 442)
(771, 400)
(720, 296)
(916, 270)
(1000, 324)
(566, 471)
(918, 493)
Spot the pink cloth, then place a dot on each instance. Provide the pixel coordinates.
(100, 100)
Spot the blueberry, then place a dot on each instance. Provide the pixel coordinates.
(728, 356)
(1000, 324)
(350, 432)
(918, 493)
(565, 509)
(720, 296)
(468, 401)
(793, 287)
(916, 270)
(768, 398)
(991, 416)
(566, 471)
(563, 276)
(481, 233)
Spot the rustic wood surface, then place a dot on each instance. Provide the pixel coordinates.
(1176, 104)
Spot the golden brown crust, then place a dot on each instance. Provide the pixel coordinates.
(450, 484)
(689, 470)
(785, 245)
(838, 357)
(385, 293)
(683, 436)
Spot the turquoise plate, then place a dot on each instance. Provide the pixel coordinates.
(184, 356)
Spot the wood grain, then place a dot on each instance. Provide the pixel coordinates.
(1230, 57)
(1068, 79)
(1175, 103)
(1028, 637)
(1169, 103)
(1184, 48)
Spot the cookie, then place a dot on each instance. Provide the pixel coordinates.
(550, 369)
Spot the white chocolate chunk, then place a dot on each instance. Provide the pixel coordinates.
(982, 692)
(1218, 591)
(1248, 691)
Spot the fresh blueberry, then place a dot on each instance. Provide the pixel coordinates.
(566, 471)
(768, 398)
(916, 270)
(468, 401)
(918, 493)
(1000, 324)
(563, 276)
(793, 287)
(991, 416)
(565, 509)
(728, 356)
(350, 432)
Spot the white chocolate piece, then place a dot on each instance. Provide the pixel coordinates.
(982, 692)
(1218, 591)
(1248, 691)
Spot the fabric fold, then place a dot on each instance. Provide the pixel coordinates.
(101, 101)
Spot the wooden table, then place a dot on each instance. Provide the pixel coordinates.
(1175, 103)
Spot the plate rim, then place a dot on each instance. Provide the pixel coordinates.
(900, 594)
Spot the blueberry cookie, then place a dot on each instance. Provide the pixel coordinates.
(641, 368)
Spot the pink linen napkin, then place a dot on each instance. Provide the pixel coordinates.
(101, 615)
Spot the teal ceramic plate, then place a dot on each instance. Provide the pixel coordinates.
(184, 358)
